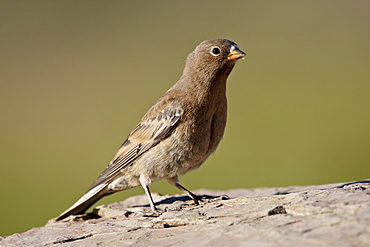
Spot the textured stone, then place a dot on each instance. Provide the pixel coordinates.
(322, 215)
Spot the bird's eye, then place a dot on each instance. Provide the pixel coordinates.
(215, 51)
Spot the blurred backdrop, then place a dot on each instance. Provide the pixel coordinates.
(77, 76)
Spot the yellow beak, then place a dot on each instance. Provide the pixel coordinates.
(235, 53)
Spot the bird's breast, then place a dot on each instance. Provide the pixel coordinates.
(195, 138)
(205, 128)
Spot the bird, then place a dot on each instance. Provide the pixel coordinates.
(177, 134)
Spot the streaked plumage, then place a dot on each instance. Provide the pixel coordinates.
(178, 133)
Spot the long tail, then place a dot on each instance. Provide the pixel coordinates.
(85, 201)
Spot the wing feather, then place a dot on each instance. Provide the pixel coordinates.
(156, 125)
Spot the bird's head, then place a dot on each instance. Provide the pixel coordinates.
(214, 57)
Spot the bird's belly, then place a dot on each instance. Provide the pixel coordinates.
(176, 157)
(180, 153)
(169, 162)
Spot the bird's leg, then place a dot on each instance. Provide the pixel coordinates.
(145, 182)
(194, 197)
(175, 182)
(150, 199)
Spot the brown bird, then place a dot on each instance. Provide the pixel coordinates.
(177, 134)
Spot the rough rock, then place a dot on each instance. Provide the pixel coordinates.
(322, 215)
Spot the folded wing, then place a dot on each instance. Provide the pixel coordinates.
(148, 133)
(156, 125)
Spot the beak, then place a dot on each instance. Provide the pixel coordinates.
(235, 53)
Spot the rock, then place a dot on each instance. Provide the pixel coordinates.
(322, 215)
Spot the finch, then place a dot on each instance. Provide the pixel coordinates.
(177, 134)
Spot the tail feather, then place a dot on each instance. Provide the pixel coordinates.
(85, 201)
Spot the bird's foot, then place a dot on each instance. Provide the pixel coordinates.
(155, 212)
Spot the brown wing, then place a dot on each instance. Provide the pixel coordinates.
(156, 125)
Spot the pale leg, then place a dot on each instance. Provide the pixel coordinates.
(145, 183)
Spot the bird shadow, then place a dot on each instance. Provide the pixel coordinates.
(171, 200)
(185, 198)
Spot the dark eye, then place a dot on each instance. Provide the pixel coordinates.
(215, 51)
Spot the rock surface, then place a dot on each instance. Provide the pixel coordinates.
(323, 215)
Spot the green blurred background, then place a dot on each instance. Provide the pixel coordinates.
(76, 77)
